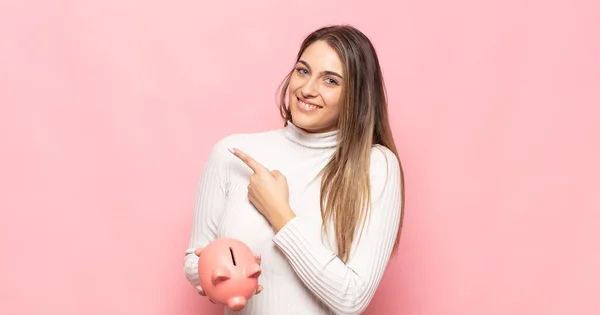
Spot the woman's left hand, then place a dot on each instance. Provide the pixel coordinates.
(268, 191)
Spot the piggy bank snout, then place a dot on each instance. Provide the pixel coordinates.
(236, 303)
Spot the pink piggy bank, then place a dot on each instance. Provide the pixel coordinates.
(228, 272)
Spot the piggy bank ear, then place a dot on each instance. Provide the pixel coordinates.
(198, 251)
(220, 274)
(253, 271)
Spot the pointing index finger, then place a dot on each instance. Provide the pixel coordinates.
(255, 166)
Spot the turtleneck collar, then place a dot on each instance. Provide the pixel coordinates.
(311, 140)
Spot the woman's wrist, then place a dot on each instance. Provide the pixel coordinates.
(281, 217)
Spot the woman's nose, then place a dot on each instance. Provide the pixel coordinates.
(310, 88)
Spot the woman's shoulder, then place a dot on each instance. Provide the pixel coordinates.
(385, 171)
(246, 140)
(382, 158)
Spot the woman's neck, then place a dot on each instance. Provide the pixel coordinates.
(318, 140)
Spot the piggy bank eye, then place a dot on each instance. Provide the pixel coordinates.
(232, 257)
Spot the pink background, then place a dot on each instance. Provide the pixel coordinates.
(109, 109)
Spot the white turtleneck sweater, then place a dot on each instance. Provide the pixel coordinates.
(301, 272)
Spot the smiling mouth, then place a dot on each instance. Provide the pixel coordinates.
(307, 105)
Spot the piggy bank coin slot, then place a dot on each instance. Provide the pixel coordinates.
(232, 257)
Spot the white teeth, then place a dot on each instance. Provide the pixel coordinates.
(307, 106)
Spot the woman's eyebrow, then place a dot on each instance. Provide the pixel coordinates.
(333, 73)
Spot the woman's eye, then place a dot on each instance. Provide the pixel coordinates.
(331, 81)
(302, 71)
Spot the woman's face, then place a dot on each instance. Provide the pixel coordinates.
(316, 89)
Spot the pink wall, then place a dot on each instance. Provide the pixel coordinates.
(109, 109)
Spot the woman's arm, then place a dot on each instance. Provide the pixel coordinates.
(348, 288)
(208, 208)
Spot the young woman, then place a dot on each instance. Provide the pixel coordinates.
(321, 199)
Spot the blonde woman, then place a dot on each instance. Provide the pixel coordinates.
(321, 199)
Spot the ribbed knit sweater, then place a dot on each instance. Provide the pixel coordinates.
(301, 271)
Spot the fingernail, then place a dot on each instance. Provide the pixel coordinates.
(231, 150)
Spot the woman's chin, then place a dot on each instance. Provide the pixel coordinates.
(301, 122)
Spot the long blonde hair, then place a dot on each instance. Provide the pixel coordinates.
(363, 122)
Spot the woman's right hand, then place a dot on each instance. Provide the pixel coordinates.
(199, 288)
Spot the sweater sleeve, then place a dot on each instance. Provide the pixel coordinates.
(348, 288)
(208, 208)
